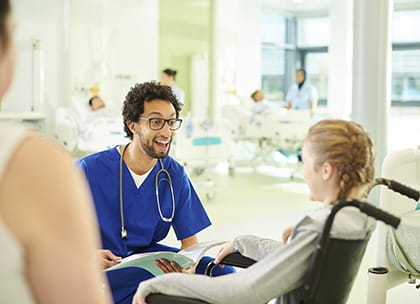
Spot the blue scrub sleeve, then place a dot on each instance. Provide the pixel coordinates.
(190, 215)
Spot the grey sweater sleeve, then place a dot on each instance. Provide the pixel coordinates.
(255, 247)
(278, 273)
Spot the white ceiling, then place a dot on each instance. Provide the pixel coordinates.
(307, 6)
(298, 5)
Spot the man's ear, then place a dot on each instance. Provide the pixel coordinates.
(131, 126)
(328, 171)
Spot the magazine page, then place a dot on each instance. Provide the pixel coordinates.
(146, 261)
(186, 259)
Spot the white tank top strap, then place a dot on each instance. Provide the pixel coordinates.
(14, 286)
(11, 135)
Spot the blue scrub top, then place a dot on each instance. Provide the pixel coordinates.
(142, 220)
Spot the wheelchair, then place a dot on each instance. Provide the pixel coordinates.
(332, 256)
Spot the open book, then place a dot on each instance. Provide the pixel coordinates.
(186, 258)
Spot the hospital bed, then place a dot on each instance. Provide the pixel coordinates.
(85, 133)
(200, 145)
(404, 166)
(264, 134)
(334, 263)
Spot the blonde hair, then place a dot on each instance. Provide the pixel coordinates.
(346, 145)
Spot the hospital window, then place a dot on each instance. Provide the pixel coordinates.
(288, 43)
(273, 60)
(406, 59)
(406, 77)
(313, 34)
(276, 55)
(313, 31)
(317, 64)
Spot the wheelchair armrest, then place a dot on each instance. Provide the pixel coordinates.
(238, 260)
(157, 298)
(234, 259)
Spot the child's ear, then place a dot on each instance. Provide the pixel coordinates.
(328, 170)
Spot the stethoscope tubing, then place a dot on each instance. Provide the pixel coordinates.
(163, 170)
(124, 233)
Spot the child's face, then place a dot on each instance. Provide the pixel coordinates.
(259, 96)
(312, 173)
(97, 103)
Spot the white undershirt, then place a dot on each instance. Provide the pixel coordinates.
(138, 179)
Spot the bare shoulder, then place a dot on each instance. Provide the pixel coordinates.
(35, 164)
(36, 153)
(45, 186)
(39, 172)
(47, 172)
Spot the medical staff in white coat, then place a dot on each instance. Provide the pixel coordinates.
(302, 95)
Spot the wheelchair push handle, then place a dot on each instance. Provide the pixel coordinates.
(368, 209)
(379, 214)
(403, 189)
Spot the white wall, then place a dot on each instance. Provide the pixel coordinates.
(249, 47)
(112, 44)
(340, 59)
(236, 50)
(35, 20)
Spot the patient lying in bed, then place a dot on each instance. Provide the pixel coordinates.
(81, 130)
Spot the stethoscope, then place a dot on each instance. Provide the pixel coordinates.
(168, 179)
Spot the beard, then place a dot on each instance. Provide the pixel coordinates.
(150, 151)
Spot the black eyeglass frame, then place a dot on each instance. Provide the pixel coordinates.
(168, 121)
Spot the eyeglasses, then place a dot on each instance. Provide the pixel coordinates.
(158, 123)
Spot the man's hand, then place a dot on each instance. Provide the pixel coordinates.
(167, 266)
(106, 258)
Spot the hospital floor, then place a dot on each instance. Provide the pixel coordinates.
(263, 201)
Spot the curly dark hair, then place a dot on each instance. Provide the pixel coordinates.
(134, 101)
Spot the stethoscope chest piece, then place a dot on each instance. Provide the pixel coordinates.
(124, 234)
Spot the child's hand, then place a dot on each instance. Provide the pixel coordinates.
(138, 299)
(286, 233)
(225, 249)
